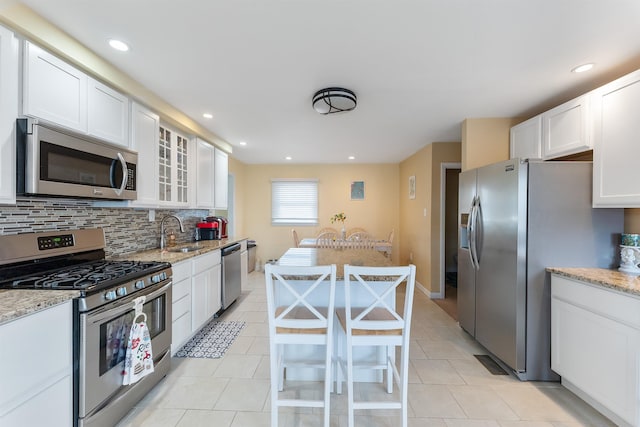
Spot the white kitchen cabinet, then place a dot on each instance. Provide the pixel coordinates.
(616, 150)
(36, 367)
(8, 113)
(595, 346)
(145, 125)
(566, 129)
(205, 174)
(54, 90)
(221, 179)
(181, 305)
(174, 152)
(525, 139)
(205, 288)
(108, 113)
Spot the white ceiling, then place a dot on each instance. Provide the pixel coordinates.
(419, 68)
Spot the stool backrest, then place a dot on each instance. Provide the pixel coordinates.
(300, 297)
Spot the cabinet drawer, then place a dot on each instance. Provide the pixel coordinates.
(181, 271)
(181, 289)
(52, 407)
(181, 307)
(24, 369)
(206, 261)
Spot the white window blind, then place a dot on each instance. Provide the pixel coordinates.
(294, 201)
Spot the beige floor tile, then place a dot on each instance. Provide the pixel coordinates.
(482, 402)
(256, 330)
(243, 395)
(436, 401)
(426, 422)
(240, 345)
(193, 367)
(436, 372)
(238, 366)
(254, 316)
(260, 345)
(441, 350)
(263, 370)
(471, 423)
(190, 393)
(474, 373)
(196, 418)
(525, 424)
(152, 417)
(252, 419)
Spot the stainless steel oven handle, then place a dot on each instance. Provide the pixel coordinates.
(124, 305)
(125, 174)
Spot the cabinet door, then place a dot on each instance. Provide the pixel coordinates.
(526, 139)
(597, 355)
(54, 90)
(8, 114)
(108, 116)
(221, 170)
(566, 129)
(205, 175)
(144, 139)
(616, 150)
(200, 283)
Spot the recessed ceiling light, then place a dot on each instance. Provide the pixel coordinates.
(118, 45)
(243, 143)
(351, 157)
(207, 116)
(582, 68)
(288, 158)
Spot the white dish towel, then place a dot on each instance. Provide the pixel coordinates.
(138, 361)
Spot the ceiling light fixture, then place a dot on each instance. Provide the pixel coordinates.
(582, 68)
(207, 115)
(288, 158)
(118, 45)
(351, 158)
(334, 100)
(243, 143)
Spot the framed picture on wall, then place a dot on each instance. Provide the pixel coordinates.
(412, 187)
(357, 190)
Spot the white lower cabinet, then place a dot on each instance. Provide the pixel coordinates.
(595, 346)
(196, 296)
(36, 369)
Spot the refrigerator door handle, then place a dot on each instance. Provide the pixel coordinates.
(472, 233)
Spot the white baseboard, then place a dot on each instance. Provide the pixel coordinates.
(428, 293)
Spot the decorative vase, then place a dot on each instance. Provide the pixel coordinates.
(343, 233)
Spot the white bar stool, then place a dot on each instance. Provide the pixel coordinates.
(294, 320)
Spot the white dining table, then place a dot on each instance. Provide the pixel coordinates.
(380, 245)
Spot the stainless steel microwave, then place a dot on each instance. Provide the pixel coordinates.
(56, 162)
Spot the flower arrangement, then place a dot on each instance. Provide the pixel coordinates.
(339, 217)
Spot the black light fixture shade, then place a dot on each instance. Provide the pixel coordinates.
(334, 100)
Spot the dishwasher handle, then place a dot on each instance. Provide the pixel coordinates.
(231, 249)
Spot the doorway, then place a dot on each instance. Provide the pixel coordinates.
(449, 238)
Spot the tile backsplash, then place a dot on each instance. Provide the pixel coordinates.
(126, 229)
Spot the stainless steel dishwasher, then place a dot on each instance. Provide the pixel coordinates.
(231, 275)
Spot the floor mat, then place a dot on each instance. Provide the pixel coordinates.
(212, 341)
(490, 364)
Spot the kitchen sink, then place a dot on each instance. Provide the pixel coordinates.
(185, 249)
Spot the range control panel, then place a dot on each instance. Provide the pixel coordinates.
(55, 242)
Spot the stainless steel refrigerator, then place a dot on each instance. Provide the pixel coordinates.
(515, 219)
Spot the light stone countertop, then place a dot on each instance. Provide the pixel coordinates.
(18, 303)
(22, 302)
(173, 257)
(612, 279)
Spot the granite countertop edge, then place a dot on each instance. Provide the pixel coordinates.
(19, 303)
(606, 278)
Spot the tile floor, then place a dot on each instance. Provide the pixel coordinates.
(448, 387)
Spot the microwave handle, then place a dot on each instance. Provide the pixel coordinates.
(125, 174)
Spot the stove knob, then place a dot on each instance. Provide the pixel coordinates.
(163, 275)
(139, 284)
(110, 295)
(122, 291)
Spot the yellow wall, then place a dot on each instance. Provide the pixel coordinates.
(485, 141)
(377, 213)
(420, 217)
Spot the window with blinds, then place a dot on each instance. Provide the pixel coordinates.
(294, 202)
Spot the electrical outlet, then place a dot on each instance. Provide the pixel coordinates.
(152, 215)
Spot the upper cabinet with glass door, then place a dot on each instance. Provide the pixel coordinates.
(174, 151)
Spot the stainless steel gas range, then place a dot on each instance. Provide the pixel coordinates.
(103, 314)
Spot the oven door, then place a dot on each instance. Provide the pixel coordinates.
(104, 333)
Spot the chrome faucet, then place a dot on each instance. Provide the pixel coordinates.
(162, 236)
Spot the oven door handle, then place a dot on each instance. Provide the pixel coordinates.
(125, 305)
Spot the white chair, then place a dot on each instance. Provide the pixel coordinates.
(358, 235)
(300, 309)
(327, 240)
(377, 323)
(354, 230)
